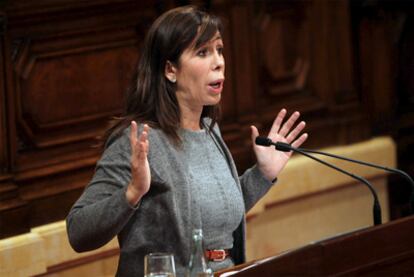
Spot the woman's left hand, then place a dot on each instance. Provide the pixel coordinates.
(270, 161)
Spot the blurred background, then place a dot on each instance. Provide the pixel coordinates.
(347, 66)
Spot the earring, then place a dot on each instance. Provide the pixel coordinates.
(173, 80)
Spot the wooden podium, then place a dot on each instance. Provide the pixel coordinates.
(384, 250)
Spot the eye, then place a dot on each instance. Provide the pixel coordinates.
(202, 52)
(220, 50)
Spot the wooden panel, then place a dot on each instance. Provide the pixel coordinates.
(243, 63)
(74, 97)
(375, 66)
(299, 67)
(65, 87)
(67, 66)
(374, 251)
(283, 66)
(405, 111)
(71, 61)
(3, 118)
(13, 210)
(285, 56)
(385, 33)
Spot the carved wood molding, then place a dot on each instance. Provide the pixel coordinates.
(23, 14)
(14, 210)
(50, 97)
(286, 55)
(66, 66)
(282, 46)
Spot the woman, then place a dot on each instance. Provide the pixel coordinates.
(166, 169)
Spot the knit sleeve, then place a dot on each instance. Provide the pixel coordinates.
(102, 210)
(254, 186)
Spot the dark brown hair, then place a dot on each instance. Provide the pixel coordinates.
(152, 98)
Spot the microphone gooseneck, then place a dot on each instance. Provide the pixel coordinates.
(285, 147)
(393, 170)
(376, 206)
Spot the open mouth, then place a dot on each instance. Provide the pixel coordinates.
(215, 85)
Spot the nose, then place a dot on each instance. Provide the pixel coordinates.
(219, 62)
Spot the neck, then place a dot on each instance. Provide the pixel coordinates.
(190, 118)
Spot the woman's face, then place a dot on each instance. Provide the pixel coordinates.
(200, 75)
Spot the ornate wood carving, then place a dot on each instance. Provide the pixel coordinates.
(45, 105)
(282, 48)
(68, 64)
(287, 55)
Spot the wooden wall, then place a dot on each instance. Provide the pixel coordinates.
(65, 65)
(383, 33)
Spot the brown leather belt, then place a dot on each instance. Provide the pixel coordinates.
(217, 255)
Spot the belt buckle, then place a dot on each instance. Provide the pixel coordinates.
(222, 254)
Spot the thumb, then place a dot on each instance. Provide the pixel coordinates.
(255, 133)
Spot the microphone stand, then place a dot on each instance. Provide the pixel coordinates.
(376, 206)
(393, 170)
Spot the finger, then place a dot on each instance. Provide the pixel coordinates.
(277, 122)
(144, 134)
(289, 123)
(146, 128)
(300, 140)
(142, 152)
(133, 131)
(133, 141)
(133, 136)
(255, 134)
(143, 142)
(295, 132)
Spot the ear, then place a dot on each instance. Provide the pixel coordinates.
(170, 72)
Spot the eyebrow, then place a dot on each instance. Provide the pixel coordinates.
(217, 37)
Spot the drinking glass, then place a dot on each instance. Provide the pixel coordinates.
(159, 265)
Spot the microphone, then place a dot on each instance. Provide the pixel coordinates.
(285, 147)
(264, 141)
(281, 146)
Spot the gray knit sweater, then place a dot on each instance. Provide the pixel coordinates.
(216, 192)
(165, 216)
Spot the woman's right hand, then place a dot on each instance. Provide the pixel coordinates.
(140, 171)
